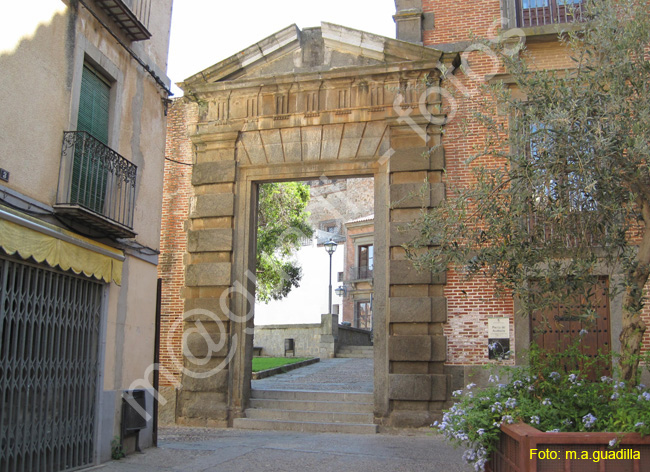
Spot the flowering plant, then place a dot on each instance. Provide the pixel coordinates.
(548, 396)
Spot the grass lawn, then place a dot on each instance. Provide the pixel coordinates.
(263, 363)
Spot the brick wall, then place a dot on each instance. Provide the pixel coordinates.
(173, 242)
(470, 304)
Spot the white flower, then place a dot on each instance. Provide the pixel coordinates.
(546, 401)
(639, 424)
(583, 332)
(612, 442)
(471, 386)
(457, 393)
(534, 419)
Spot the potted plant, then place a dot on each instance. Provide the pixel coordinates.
(549, 417)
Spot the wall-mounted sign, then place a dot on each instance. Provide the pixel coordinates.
(498, 338)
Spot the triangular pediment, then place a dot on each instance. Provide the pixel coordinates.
(330, 47)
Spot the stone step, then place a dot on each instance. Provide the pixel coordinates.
(305, 426)
(355, 352)
(309, 416)
(314, 396)
(354, 355)
(309, 405)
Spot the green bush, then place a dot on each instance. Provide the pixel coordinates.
(548, 396)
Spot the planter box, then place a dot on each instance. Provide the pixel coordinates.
(523, 448)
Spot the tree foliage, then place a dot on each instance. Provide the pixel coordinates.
(570, 196)
(282, 224)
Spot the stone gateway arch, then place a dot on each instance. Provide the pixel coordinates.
(327, 101)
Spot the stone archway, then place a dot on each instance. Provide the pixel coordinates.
(332, 102)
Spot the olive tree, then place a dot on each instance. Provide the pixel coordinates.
(561, 182)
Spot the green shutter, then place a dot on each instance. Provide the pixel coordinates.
(93, 105)
(89, 174)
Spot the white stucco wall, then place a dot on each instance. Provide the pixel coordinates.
(308, 302)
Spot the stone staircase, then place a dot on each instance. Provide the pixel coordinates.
(362, 352)
(306, 411)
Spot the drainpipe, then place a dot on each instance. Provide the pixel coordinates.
(156, 362)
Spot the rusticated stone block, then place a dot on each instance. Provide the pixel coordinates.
(437, 194)
(437, 156)
(411, 309)
(203, 404)
(209, 274)
(217, 382)
(206, 309)
(418, 158)
(418, 310)
(409, 348)
(213, 172)
(438, 309)
(400, 234)
(409, 387)
(410, 159)
(208, 206)
(417, 387)
(205, 339)
(402, 272)
(417, 348)
(210, 240)
(417, 195)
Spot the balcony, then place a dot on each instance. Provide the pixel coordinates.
(96, 186)
(536, 13)
(360, 273)
(131, 15)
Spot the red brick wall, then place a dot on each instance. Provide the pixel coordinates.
(456, 19)
(173, 242)
(471, 303)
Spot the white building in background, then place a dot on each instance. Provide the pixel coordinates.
(308, 302)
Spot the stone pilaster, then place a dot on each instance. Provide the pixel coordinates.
(417, 347)
(207, 346)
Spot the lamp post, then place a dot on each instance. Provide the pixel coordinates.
(330, 247)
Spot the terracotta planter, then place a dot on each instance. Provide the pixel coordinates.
(523, 448)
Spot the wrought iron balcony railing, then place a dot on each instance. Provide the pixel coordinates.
(96, 185)
(131, 15)
(532, 13)
(360, 273)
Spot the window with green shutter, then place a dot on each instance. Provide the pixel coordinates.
(89, 172)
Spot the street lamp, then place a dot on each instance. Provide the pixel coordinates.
(341, 291)
(330, 247)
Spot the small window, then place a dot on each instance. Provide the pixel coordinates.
(366, 254)
(363, 315)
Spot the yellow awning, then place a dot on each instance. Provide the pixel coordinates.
(59, 248)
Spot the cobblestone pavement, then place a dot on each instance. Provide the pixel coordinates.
(336, 375)
(229, 450)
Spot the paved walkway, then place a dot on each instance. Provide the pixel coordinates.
(334, 375)
(229, 450)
